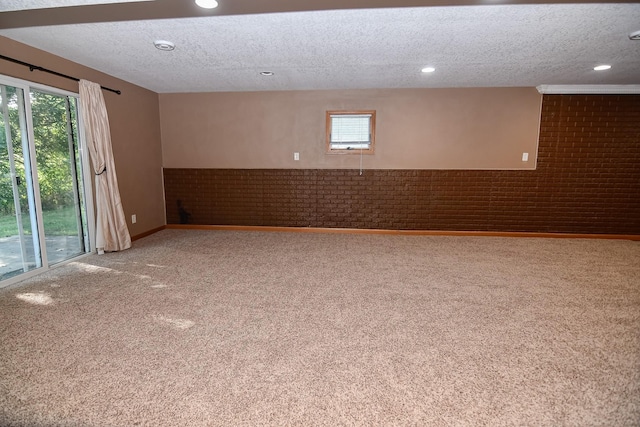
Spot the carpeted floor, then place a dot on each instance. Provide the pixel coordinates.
(225, 328)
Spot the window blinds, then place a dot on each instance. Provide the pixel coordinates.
(351, 131)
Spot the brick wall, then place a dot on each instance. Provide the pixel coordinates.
(587, 181)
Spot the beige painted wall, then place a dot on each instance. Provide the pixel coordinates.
(135, 129)
(416, 128)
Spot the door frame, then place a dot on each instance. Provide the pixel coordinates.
(87, 176)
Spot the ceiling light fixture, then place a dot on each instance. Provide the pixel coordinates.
(635, 35)
(164, 45)
(266, 73)
(602, 67)
(428, 70)
(207, 4)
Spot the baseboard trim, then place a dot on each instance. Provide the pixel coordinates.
(401, 232)
(147, 233)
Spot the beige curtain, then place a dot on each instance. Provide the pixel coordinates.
(111, 227)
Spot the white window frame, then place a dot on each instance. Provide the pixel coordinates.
(87, 176)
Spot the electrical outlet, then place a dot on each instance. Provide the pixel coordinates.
(525, 157)
(296, 156)
(133, 219)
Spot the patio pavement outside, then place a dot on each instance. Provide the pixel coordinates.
(59, 248)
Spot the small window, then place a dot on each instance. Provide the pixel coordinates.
(351, 132)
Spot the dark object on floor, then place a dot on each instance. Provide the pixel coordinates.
(184, 215)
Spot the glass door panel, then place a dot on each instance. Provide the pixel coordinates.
(59, 175)
(19, 241)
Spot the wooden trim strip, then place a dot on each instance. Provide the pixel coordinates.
(147, 233)
(403, 232)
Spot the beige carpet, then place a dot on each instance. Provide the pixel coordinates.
(224, 328)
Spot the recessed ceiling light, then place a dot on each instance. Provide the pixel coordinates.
(428, 70)
(635, 35)
(266, 73)
(207, 4)
(164, 45)
(602, 67)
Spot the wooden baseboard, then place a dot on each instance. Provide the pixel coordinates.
(147, 233)
(402, 232)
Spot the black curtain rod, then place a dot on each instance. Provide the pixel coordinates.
(46, 70)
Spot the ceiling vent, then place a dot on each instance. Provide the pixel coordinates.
(164, 45)
(634, 36)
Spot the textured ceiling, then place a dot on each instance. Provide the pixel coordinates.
(470, 46)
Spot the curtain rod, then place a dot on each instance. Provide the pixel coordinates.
(46, 70)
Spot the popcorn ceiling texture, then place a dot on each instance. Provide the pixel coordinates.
(587, 181)
(205, 328)
(470, 46)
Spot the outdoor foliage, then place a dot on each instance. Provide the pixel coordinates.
(49, 114)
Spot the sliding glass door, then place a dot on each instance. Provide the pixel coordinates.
(43, 215)
(19, 242)
(59, 174)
